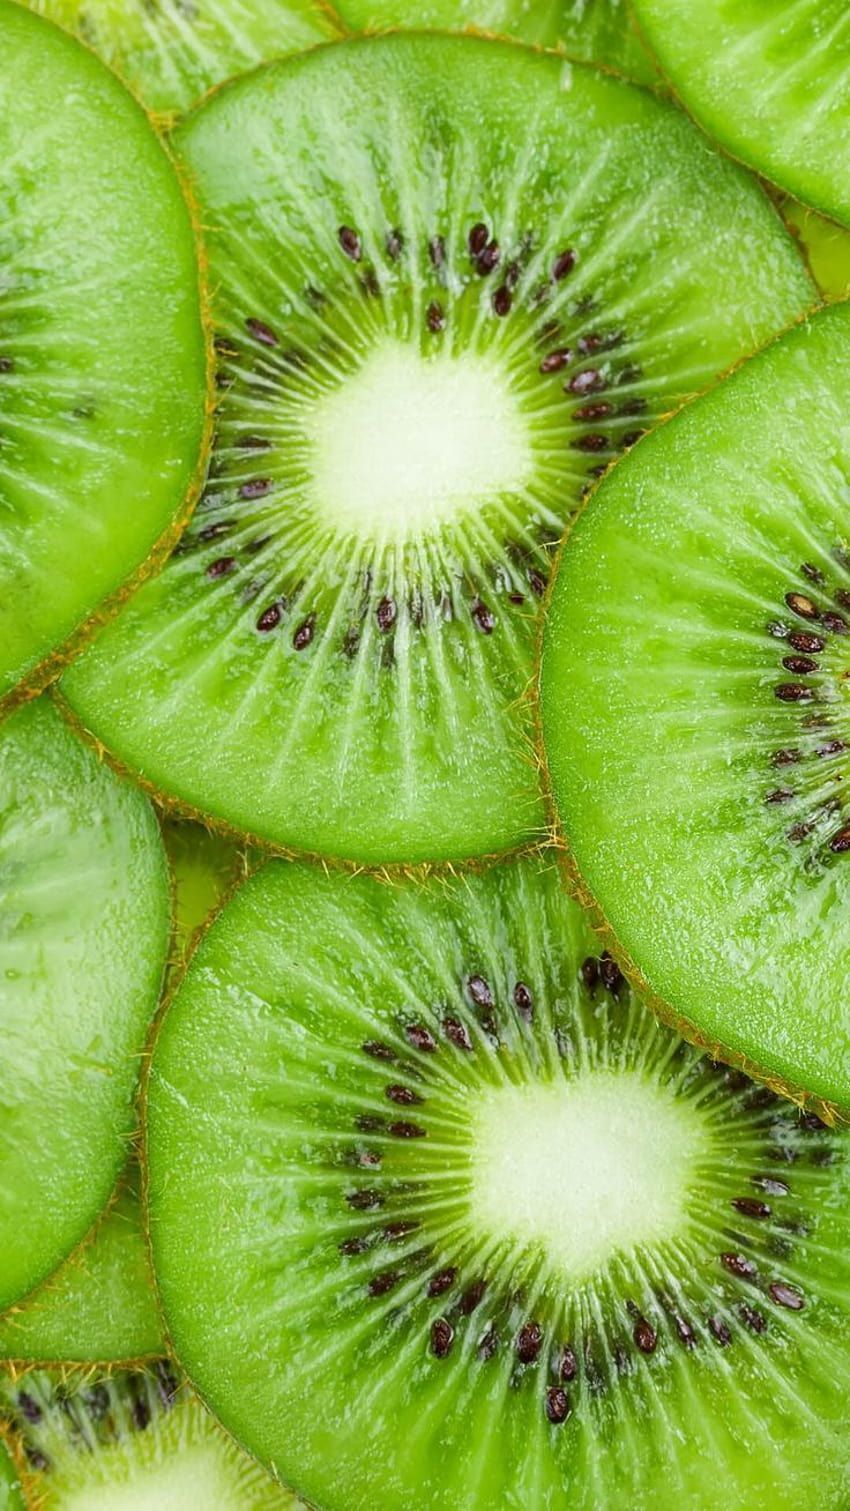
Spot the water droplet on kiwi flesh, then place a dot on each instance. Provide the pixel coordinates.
(432, 406)
(448, 1270)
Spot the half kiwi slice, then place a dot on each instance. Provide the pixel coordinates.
(170, 52)
(695, 711)
(127, 1439)
(770, 81)
(99, 1304)
(598, 31)
(427, 348)
(442, 1217)
(84, 919)
(102, 352)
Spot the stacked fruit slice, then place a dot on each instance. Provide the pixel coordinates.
(385, 1168)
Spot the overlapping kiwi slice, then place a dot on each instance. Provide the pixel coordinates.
(99, 1304)
(771, 81)
(121, 1440)
(454, 279)
(599, 31)
(442, 1217)
(171, 51)
(102, 353)
(695, 680)
(84, 919)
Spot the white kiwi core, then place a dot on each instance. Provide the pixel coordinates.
(584, 1169)
(410, 441)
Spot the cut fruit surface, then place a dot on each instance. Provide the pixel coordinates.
(171, 52)
(442, 1218)
(130, 1441)
(99, 1304)
(826, 246)
(84, 918)
(694, 694)
(428, 345)
(10, 1488)
(597, 31)
(102, 359)
(770, 81)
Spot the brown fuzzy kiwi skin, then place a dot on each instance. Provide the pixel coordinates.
(829, 1112)
(55, 662)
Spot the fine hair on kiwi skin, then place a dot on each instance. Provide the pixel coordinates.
(798, 513)
(368, 1279)
(51, 662)
(267, 629)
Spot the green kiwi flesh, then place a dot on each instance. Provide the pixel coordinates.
(102, 348)
(695, 711)
(826, 246)
(441, 1217)
(428, 345)
(170, 52)
(84, 921)
(99, 1304)
(597, 31)
(770, 81)
(129, 1440)
(10, 1485)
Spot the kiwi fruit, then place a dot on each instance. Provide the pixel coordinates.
(204, 867)
(428, 346)
(84, 925)
(170, 52)
(694, 712)
(597, 31)
(441, 1217)
(826, 245)
(10, 1485)
(102, 346)
(770, 81)
(125, 1439)
(99, 1304)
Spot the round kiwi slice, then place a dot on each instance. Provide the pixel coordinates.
(770, 81)
(102, 351)
(441, 1217)
(427, 346)
(84, 919)
(99, 1304)
(170, 52)
(598, 31)
(129, 1439)
(695, 711)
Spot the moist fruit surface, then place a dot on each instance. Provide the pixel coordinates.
(99, 1304)
(130, 1440)
(769, 80)
(599, 31)
(695, 677)
(442, 1217)
(430, 342)
(10, 1495)
(102, 361)
(170, 52)
(84, 917)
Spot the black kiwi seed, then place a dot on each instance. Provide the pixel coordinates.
(472, 1297)
(502, 300)
(523, 1000)
(557, 360)
(645, 1336)
(350, 243)
(403, 1096)
(719, 1330)
(377, 1050)
(442, 1281)
(563, 264)
(478, 238)
(557, 1405)
(786, 1295)
(406, 1130)
(379, 1285)
(752, 1317)
(750, 1207)
(483, 617)
(488, 1345)
(222, 567)
(738, 1265)
(421, 1037)
(840, 842)
(809, 644)
(258, 487)
(364, 1201)
(794, 692)
(262, 332)
(304, 633)
(457, 1032)
(442, 1338)
(479, 991)
(435, 317)
(529, 1342)
(800, 604)
(568, 1365)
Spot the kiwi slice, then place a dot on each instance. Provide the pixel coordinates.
(126, 1439)
(102, 351)
(170, 51)
(10, 1487)
(84, 919)
(826, 245)
(99, 1304)
(770, 81)
(427, 348)
(694, 712)
(597, 31)
(442, 1217)
(204, 867)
